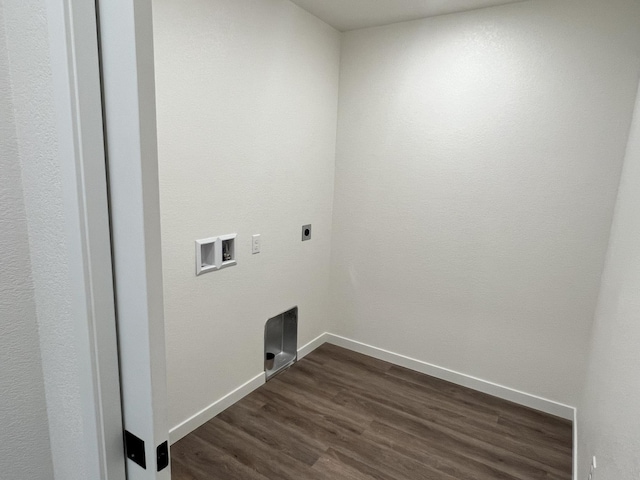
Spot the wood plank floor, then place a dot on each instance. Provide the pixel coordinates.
(339, 415)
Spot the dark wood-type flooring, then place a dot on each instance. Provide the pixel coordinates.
(339, 415)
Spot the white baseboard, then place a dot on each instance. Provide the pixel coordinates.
(206, 414)
(575, 444)
(506, 393)
(312, 345)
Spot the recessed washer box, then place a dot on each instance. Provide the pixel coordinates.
(215, 253)
(281, 342)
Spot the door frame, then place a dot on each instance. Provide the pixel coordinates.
(78, 119)
(77, 40)
(129, 111)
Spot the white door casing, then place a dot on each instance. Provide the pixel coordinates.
(75, 72)
(126, 39)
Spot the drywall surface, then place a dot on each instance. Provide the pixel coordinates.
(29, 69)
(609, 417)
(478, 159)
(247, 95)
(23, 410)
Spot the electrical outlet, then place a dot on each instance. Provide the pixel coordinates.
(306, 232)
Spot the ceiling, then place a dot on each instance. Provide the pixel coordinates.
(352, 14)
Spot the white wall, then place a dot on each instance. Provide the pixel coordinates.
(609, 416)
(23, 409)
(478, 159)
(601, 56)
(246, 108)
(34, 155)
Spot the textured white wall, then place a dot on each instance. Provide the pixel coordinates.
(506, 240)
(23, 410)
(609, 414)
(246, 105)
(29, 68)
(478, 160)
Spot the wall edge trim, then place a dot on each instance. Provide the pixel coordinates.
(521, 398)
(575, 444)
(312, 345)
(207, 413)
